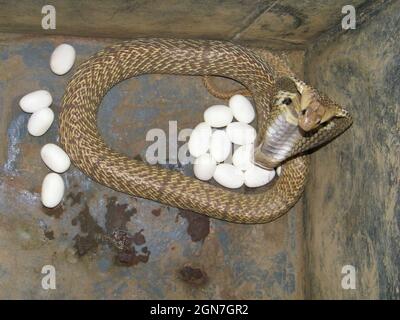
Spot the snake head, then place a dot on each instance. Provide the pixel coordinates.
(314, 109)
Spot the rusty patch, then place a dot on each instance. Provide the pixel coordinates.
(116, 235)
(88, 242)
(49, 234)
(131, 258)
(156, 212)
(53, 212)
(193, 276)
(198, 225)
(138, 238)
(75, 197)
(127, 254)
(117, 215)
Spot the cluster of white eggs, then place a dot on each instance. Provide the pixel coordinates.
(224, 150)
(38, 104)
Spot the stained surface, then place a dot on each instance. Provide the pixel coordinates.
(352, 204)
(105, 244)
(278, 24)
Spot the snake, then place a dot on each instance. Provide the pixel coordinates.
(293, 119)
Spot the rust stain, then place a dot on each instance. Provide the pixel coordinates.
(138, 238)
(75, 197)
(127, 255)
(198, 225)
(88, 242)
(49, 234)
(193, 276)
(53, 212)
(117, 215)
(156, 212)
(116, 235)
(131, 258)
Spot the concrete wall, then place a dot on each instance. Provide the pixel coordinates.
(279, 24)
(352, 204)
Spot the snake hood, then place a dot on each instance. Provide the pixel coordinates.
(300, 124)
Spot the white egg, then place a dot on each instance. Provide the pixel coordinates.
(278, 171)
(55, 158)
(228, 176)
(199, 141)
(52, 190)
(241, 133)
(36, 100)
(218, 116)
(257, 177)
(242, 108)
(220, 145)
(204, 167)
(62, 59)
(40, 121)
(243, 157)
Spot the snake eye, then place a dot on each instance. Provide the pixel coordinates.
(287, 101)
(303, 112)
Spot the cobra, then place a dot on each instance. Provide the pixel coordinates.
(292, 119)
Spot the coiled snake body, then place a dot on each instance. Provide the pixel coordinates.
(266, 80)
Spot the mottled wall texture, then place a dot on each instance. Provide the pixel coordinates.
(352, 204)
(279, 24)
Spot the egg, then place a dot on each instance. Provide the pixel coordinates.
(36, 100)
(228, 176)
(55, 158)
(241, 133)
(62, 59)
(257, 177)
(243, 157)
(218, 116)
(40, 121)
(242, 108)
(199, 141)
(220, 145)
(278, 171)
(204, 167)
(52, 190)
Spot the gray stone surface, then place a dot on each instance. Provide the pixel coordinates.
(279, 24)
(352, 205)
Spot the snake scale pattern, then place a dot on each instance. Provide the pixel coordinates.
(80, 137)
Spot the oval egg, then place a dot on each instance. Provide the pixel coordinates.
(40, 122)
(199, 141)
(62, 59)
(242, 108)
(241, 133)
(220, 145)
(218, 116)
(243, 157)
(55, 158)
(204, 167)
(229, 176)
(52, 190)
(35, 101)
(257, 177)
